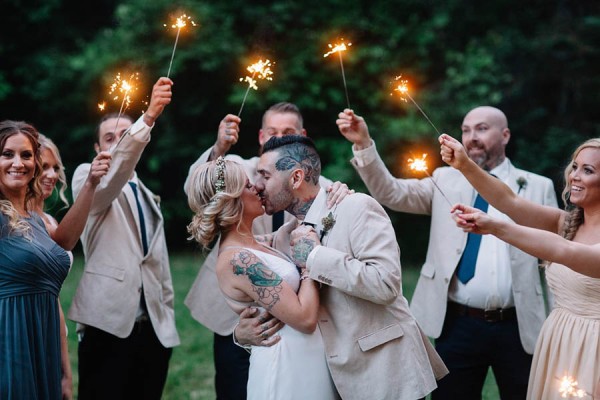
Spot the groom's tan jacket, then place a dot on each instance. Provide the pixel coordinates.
(374, 347)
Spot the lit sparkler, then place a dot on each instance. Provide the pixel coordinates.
(124, 89)
(180, 23)
(568, 388)
(402, 88)
(338, 48)
(420, 165)
(259, 70)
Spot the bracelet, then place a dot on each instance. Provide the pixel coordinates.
(246, 347)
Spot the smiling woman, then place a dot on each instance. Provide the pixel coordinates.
(30, 276)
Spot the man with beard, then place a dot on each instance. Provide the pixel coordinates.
(482, 300)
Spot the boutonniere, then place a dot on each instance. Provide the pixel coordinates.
(328, 222)
(156, 199)
(522, 182)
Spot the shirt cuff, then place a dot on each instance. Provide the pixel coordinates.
(366, 156)
(140, 131)
(246, 347)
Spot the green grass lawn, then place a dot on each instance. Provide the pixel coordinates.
(191, 370)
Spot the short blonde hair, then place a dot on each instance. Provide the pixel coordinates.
(215, 211)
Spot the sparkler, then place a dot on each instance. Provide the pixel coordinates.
(419, 164)
(260, 70)
(180, 23)
(403, 89)
(122, 88)
(338, 48)
(568, 388)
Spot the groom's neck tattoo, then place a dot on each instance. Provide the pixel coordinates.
(298, 156)
(266, 283)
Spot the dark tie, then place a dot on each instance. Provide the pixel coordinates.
(466, 266)
(277, 220)
(141, 216)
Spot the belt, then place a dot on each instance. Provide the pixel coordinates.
(490, 315)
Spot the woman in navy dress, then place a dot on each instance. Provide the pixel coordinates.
(32, 269)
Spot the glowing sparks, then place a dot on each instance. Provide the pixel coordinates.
(122, 89)
(420, 165)
(568, 388)
(338, 48)
(180, 23)
(402, 88)
(259, 70)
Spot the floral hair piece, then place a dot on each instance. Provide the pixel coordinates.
(220, 172)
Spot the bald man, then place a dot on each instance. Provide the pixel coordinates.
(481, 300)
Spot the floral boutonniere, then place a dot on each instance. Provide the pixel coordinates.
(522, 182)
(327, 223)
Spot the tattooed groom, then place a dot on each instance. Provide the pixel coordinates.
(367, 328)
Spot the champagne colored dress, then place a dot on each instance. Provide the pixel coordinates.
(569, 342)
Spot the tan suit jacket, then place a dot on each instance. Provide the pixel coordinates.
(116, 270)
(374, 347)
(204, 299)
(447, 242)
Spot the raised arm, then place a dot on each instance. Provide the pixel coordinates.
(244, 277)
(497, 193)
(580, 257)
(71, 226)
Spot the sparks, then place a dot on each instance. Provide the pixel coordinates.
(180, 23)
(337, 48)
(259, 70)
(420, 165)
(402, 88)
(568, 388)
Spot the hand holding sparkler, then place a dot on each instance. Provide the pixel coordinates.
(473, 220)
(453, 152)
(227, 136)
(354, 128)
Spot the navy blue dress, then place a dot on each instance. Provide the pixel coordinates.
(31, 275)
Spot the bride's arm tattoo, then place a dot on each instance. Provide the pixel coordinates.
(266, 283)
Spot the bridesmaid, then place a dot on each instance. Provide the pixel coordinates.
(32, 269)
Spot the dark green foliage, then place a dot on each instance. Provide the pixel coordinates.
(535, 60)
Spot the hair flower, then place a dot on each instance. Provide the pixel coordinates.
(522, 182)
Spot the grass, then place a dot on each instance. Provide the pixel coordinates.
(191, 370)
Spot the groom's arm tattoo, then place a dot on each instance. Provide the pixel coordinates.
(266, 283)
(301, 251)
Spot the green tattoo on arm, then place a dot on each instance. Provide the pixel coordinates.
(266, 283)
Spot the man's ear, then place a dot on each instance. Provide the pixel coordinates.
(97, 148)
(297, 177)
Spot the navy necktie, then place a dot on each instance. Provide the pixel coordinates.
(466, 266)
(141, 216)
(277, 220)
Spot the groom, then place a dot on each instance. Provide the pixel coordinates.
(373, 345)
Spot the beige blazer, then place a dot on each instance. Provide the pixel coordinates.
(204, 299)
(108, 294)
(374, 346)
(447, 242)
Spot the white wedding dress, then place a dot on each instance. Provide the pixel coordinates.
(295, 368)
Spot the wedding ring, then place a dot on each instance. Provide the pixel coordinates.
(265, 335)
